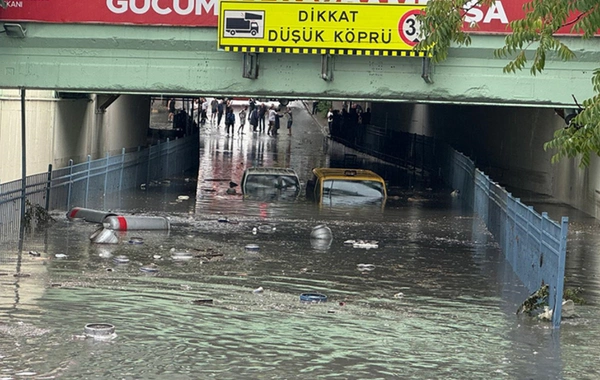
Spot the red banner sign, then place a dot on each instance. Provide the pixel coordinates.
(203, 13)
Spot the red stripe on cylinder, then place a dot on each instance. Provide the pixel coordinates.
(74, 212)
(122, 223)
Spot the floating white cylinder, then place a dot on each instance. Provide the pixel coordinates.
(128, 223)
(89, 215)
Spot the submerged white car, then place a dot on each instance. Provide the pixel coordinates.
(270, 183)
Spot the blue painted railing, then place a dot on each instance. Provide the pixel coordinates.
(89, 184)
(533, 244)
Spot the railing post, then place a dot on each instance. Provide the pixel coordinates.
(87, 180)
(560, 275)
(70, 184)
(122, 168)
(167, 173)
(48, 187)
(106, 173)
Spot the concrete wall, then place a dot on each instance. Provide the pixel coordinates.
(58, 130)
(506, 143)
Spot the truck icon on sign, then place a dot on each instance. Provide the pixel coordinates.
(244, 23)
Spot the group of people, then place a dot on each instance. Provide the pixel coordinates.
(262, 118)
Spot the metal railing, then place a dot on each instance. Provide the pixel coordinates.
(533, 244)
(90, 183)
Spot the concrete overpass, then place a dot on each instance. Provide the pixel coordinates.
(127, 59)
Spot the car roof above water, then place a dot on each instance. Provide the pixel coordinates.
(270, 171)
(338, 173)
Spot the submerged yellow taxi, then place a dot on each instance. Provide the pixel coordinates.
(338, 186)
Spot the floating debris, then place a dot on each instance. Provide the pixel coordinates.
(266, 228)
(181, 255)
(157, 257)
(121, 259)
(252, 247)
(205, 301)
(367, 244)
(149, 268)
(313, 298)
(60, 256)
(258, 290)
(34, 253)
(100, 331)
(22, 275)
(136, 240)
(183, 197)
(365, 267)
(321, 232)
(399, 295)
(104, 236)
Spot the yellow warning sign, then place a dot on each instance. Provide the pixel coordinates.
(320, 28)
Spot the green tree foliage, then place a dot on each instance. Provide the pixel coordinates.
(534, 34)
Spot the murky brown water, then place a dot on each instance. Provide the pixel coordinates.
(439, 303)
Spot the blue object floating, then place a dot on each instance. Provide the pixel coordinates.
(313, 297)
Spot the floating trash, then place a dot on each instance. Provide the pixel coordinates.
(365, 267)
(60, 256)
(320, 244)
(252, 247)
(149, 269)
(367, 244)
(205, 301)
(258, 290)
(254, 231)
(109, 269)
(399, 295)
(136, 240)
(266, 228)
(313, 297)
(121, 259)
(34, 254)
(104, 236)
(181, 255)
(223, 220)
(100, 331)
(321, 232)
(157, 257)
(183, 197)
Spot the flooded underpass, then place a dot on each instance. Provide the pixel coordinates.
(219, 294)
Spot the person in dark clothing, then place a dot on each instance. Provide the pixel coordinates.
(220, 110)
(262, 110)
(171, 107)
(230, 120)
(315, 105)
(366, 116)
(254, 119)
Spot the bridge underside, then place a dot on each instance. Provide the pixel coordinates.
(170, 60)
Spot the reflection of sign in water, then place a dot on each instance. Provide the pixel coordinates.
(319, 28)
(244, 24)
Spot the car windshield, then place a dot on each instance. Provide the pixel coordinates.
(352, 192)
(268, 186)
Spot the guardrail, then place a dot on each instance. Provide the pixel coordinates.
(88, 184)
(533, 244)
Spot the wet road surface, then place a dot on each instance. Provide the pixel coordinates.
(436, 300)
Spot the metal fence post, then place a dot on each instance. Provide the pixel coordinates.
(106, 173)
(560, 275)
(87, 180)
(167, 172)
(123, 167)
(48, 186)
(70, 184)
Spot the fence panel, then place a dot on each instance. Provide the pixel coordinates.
(89, 183)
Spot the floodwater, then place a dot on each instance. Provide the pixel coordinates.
(438, 301)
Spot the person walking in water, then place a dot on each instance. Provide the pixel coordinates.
(290, 120)
(230, 121)
(242, 116)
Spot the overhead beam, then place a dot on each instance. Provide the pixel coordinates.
(161, 60)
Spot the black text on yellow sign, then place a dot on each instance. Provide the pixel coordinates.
(320, 28)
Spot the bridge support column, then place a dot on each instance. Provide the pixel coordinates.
(426, 70)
